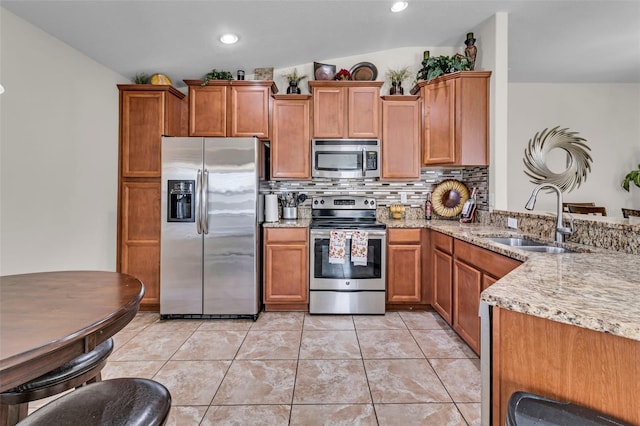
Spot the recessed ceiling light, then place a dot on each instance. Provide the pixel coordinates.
(399, 6)
(229, 38)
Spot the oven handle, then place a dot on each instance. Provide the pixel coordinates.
(327, 232)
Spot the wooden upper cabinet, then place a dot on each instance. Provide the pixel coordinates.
(230, 108)
(146, 113)
(291, 137)
(250, 111)
(456, 119)
(364, 112)
(346, 109)
(400, 137)
(208, 111)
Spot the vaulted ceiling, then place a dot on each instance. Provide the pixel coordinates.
(549, 41)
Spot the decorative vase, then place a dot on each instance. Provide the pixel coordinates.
(293, 88)
(394, 88)
(399, 90)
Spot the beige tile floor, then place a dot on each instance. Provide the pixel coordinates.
(292, 368)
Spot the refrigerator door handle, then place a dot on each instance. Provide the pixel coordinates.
(198, 201)
(205, 201)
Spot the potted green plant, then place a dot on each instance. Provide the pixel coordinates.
(216, 75)
(141, 78)
(435, 66)
(632, 176)
(397, 77)
(294, 80)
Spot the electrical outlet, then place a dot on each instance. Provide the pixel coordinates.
(403, 197)
(512, 222)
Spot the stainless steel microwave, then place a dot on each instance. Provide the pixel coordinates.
(345, 158)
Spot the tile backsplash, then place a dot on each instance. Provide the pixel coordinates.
(387, 192)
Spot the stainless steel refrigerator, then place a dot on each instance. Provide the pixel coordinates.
(209, 234)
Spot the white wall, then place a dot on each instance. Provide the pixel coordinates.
(58, 154)
(606, 115)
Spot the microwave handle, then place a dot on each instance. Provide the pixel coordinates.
(364, 161)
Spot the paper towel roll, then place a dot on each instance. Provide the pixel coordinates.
(271, 208)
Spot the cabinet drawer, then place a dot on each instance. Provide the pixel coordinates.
(285, 235)
(493, 263)
(442, 242)
(404, 236)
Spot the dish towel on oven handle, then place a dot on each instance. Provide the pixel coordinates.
(337, 244)
(359, 247)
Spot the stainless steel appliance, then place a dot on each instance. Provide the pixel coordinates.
(346, 288)
(209, 234)
(345, 158)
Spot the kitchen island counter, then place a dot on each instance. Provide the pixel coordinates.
(594, 288)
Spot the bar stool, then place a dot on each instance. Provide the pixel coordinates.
(86, 368)
(587, 209)
(114, 402)
(528, 409)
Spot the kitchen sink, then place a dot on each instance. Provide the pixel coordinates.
(546, 249)
(516, 242)
(529, 245)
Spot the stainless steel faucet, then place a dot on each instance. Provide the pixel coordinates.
(561, 230)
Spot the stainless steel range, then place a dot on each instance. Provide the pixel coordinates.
(347, 257)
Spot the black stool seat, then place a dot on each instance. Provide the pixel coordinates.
(83, 369)
(116, 402)
(528, 409)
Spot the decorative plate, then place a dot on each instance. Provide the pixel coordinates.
(449, 197)
(364, 71)
(324, 71)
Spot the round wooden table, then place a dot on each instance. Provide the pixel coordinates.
(49, 318)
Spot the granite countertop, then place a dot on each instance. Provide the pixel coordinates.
(298, 223)
(594, 288)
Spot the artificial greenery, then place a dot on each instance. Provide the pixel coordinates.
(216, 75)
(632, 176)
(141, 78)
(398, 76)
(435, 66)
(294, 76)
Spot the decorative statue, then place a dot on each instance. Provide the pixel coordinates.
(471, 50)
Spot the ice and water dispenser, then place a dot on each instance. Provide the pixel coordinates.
(181, 201)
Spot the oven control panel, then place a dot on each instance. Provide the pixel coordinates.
(340, 202)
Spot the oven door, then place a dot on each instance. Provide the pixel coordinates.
(347, 276)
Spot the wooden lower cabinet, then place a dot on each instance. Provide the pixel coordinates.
(567, 363)
(442, 264)
(474, 269)
(286, 269)
(139, 237)
(404, 266)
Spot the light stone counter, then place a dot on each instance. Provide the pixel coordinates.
(597, 289)
(299, 223)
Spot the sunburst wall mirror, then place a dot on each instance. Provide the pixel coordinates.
(537, 155)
